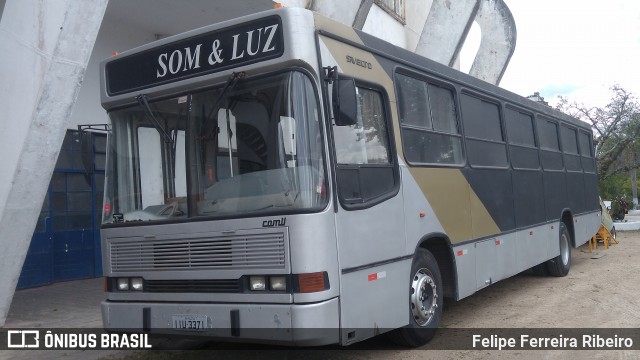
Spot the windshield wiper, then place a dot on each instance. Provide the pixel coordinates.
(228, 85)
(144, 104)
(169, 137)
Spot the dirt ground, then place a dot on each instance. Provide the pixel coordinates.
(601, 291)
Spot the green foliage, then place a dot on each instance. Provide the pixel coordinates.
(615, 186)
(617, 212)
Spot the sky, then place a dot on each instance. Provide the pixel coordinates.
(573, 48)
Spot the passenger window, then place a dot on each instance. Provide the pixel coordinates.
(481, 119)
(522, 144)
(519, 128)
(483, 133)
(586, 152)
(550, 147)
(548, 133)
(570, 149)
(585, 144)
(569, 142)
(429, 123)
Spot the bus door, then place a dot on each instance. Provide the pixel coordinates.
(369, 216)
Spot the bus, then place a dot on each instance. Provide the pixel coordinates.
(283, 178)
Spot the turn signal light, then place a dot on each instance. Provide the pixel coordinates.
(313, 282)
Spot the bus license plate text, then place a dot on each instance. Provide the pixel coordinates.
(189, 322)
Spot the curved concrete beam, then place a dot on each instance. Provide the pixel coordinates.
(446, 28)
(498, 41)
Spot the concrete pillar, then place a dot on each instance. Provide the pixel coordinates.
(498, 41)
(446, 28)
(45, 48)
(344, 11)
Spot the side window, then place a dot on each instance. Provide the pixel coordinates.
(570, 149)
(429, 123)
(586, 152)
(522, 145)
(366, 172)
(519, 128)
(366, 142)
(483, 132)
(548, 132)
(549, 145)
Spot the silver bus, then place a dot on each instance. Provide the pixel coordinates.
(283, 178)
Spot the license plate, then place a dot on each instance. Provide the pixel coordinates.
(189, 322)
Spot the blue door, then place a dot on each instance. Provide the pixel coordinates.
(66, 242)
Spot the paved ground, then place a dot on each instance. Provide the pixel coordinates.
(602, 290)
(72, 304)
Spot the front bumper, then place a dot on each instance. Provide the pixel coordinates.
(291, 324)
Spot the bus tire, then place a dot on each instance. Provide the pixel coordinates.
(425, 302)
(560, 265)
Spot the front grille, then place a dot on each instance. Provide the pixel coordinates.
(264, 250)
(193, 286)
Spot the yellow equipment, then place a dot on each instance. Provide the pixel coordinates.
(603, 235)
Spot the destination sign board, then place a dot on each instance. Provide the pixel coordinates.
(198, 55)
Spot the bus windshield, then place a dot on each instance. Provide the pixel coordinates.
(251, 147)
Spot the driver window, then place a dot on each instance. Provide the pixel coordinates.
(366, 173)
(366, 142)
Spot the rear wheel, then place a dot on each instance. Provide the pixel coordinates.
(425, 302)
(560, 265)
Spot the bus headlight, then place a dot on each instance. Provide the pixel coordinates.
(126, 284)
(278, 283)
(136, 284)
(123, 284)
(257, 283)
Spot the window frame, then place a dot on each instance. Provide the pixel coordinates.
(556, 123)
(536, 144)
(498, 104)
(591, 156)
(563, 146)
(393, 154)
(428, 80)
(398, 5)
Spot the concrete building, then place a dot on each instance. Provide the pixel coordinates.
(51, 50)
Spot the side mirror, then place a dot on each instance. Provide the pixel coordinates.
(345, 102)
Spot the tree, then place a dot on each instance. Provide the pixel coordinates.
(616, 130)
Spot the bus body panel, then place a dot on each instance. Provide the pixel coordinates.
(495, 222)
(309, 237)
(299, 324)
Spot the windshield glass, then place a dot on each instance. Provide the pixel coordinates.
(251, 147)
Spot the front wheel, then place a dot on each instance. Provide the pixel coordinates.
(560, 265)
(425, 302)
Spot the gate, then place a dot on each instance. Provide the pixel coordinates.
(66, 241)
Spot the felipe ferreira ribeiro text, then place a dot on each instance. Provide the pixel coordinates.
(588, 341)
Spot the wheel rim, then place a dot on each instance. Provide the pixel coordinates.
(564, 248)
(424, 297)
